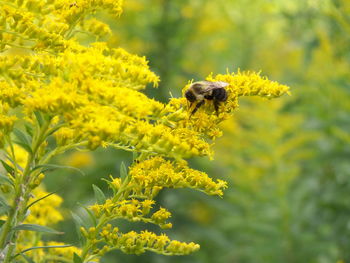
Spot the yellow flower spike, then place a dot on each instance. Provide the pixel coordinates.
(161, 242)
(160, 216)
(250, 84)
(10, 94)
(7, 123)
(93, 93)
(157, 172)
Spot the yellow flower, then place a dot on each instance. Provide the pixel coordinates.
(7, 123)
(80, 159)
(137, 243)
(45, 211)
(132, 210)
(157, 172)
(96, 27)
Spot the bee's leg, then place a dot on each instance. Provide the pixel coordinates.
(216, 106)
(199, 104)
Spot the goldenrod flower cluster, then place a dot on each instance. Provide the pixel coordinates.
(133, 210)
(240, 84)
(149, 176)
(54, 89)
(133, 200)
(138, 243)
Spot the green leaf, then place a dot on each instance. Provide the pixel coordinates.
(22, 137)
(28, 259)
(52, 167)
(78, 220)
(4, 207)
(2, 222)
(99, 195)
(14, 163)
(54, 129)
(8, 168)
(39, 118)
(123, 171)
(77, 259)
(36, 228)
(91, 215)
(39, 247)
(3, 202)
(29, 129)
(4, 210)
(78, 223)
(5, 179)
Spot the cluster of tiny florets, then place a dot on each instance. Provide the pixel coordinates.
(57, 95)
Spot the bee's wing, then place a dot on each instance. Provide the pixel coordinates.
(211, 85)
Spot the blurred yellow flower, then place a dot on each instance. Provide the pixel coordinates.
(79, 159)
(45, 212)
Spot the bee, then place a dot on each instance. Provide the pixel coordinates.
(206, 90)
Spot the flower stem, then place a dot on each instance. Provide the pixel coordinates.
(22, 195)
(104, 218)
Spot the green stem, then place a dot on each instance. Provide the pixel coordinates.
(22, 195)
(60, 150)
(104, 219)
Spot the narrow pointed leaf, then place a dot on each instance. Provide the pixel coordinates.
(52, 167)
(91, 215)
(123, 171)
(4, 210)
(78, 223)
(29, 129)
(39, 118)
(14, 163)
(54, 129)
(3, 202)
(5, 179)
(21, 136)
(40, 247)
(7, 167)
(77, 259)
(99, 195)
(36, 228)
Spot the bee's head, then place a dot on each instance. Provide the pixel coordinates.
(190, 96)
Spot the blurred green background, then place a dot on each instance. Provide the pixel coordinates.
(287, 160)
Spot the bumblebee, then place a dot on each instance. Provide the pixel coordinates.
(206, 90)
